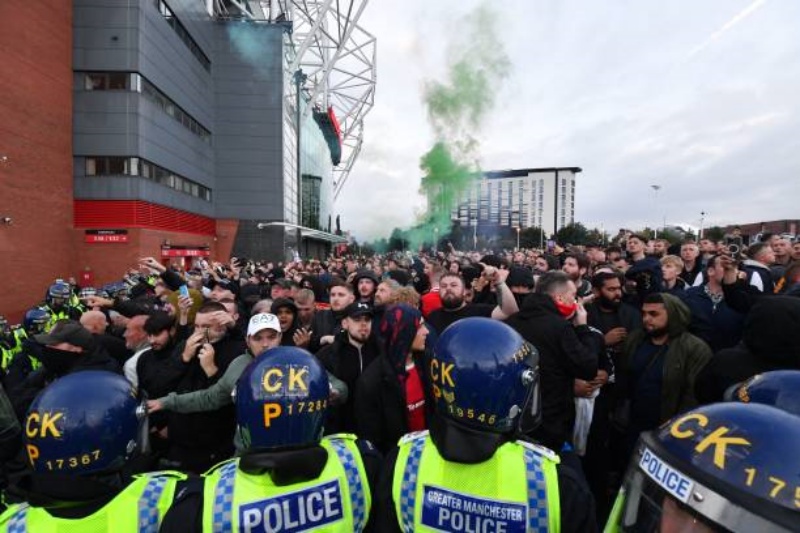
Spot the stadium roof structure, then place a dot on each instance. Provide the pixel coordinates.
(335, 53)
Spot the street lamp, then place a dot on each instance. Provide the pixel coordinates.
(656, 188)
(702, 220)
(518, 228)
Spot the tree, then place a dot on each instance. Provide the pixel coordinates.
(575, 233)
(532, 237)
(398, 240)
(714, 233)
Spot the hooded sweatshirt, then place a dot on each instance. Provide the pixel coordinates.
(684, 357)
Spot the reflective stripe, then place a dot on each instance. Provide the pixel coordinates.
(148, 505)
(358, 501)
(537, 492)
(8, 355)
(222, 518)
(17, 524)
(408, 489)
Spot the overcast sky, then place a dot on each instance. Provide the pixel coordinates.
(700, 98)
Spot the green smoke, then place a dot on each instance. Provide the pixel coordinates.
(458, 106)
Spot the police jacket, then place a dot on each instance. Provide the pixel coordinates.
(566, 352)
(575, 501)
(288, 469)
(92, 503)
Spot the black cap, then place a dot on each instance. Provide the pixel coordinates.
(228, 285)
(519, 277)
(66, 331)
(359, 309)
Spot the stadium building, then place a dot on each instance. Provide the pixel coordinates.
(169, 128)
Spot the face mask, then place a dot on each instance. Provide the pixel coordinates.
(566, 310)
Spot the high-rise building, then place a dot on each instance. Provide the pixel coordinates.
(169, 128)
(530, 197)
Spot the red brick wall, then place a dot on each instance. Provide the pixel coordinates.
(36, 137)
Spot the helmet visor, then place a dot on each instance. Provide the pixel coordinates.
(657, 497)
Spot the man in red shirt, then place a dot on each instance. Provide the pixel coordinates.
(390, 401)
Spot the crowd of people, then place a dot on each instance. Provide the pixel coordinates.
(580, 353)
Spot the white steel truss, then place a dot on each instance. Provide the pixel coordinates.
(337, 56)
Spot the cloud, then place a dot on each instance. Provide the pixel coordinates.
(605, 87)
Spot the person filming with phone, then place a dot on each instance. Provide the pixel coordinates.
(200, 440)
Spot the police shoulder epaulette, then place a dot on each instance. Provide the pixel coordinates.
(173, 474)
(341, 436)
(220, 465)
(405, 439)
(540, 450)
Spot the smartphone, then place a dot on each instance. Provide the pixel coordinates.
(184, 290)
(206, 338)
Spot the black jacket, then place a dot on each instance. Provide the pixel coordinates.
(769, 342)
(347, 363)
(325, 322)
(22, 388)
(115, 346)
(566, 352)
(203, 437)
(380, 406)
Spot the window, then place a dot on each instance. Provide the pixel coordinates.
(131, 81)
(135, 166)
(182, 33)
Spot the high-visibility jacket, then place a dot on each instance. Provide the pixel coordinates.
(139, 508)
(514, 491)
(338, 500)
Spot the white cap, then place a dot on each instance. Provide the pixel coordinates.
(263, 321)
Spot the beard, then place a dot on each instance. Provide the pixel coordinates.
(607, 303)
(451, 301)
(656, 333)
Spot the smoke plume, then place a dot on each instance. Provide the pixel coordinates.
(477, 66)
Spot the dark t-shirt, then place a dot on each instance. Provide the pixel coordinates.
(441, 318)
(647, 376)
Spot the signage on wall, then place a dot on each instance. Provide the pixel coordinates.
(95, 236)
(185, 251)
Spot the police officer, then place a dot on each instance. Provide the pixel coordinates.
(10, 341)
(471, 472)
(35, 322)
(778, 388)
(721, 467)
(289, 478)
(80, 436)
(57, 304)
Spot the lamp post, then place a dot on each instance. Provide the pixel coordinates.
(518, 228)
(702, 220)
(656, 188)
(299, 80)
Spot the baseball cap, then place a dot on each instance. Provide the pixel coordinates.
(263, 321)
(66, 331)
(519, 277)
(358, 309)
